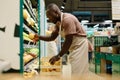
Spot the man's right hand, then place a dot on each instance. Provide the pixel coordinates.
(36, 38)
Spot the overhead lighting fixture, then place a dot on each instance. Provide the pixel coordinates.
(84, 21)
(108, 21)
(62, 7)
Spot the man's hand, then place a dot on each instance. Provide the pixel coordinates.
(36, 38)
(54, 59)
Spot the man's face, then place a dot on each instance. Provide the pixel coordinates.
(53, 17)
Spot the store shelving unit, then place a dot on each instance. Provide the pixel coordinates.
(33, 21)
(104, 59)
(29, 22)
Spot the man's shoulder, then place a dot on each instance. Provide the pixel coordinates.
(69, 15)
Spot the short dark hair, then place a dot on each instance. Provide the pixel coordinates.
(53, 7)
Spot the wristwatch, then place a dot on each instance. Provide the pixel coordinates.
(58, 56)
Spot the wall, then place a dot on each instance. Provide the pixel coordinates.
(9, 45)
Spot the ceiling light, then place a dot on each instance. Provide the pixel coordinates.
(108, 21)
(62, 7)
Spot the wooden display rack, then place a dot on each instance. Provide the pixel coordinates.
(47, 69)
(104, 58)
(104, 61)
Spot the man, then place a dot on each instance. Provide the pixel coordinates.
(75, 39)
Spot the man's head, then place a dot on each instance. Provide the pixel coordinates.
(53, 13)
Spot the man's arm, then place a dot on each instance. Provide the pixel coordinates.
(53, 36)
(65, 48)
(49, 38)
(66, 45)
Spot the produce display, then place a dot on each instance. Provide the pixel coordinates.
(31, 62)
(46, 67)
(30, 21)
(30, 74)
(30, 49)
(27, 58)
(29, 54)
(25, 14)
(50, 70)
(31, 35)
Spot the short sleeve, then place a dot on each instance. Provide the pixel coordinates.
(69, 26)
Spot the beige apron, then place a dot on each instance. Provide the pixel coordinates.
(78, 54)
(51, 46)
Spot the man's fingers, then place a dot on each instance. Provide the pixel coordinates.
(51, 61)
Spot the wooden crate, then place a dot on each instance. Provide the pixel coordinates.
(47, 69)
